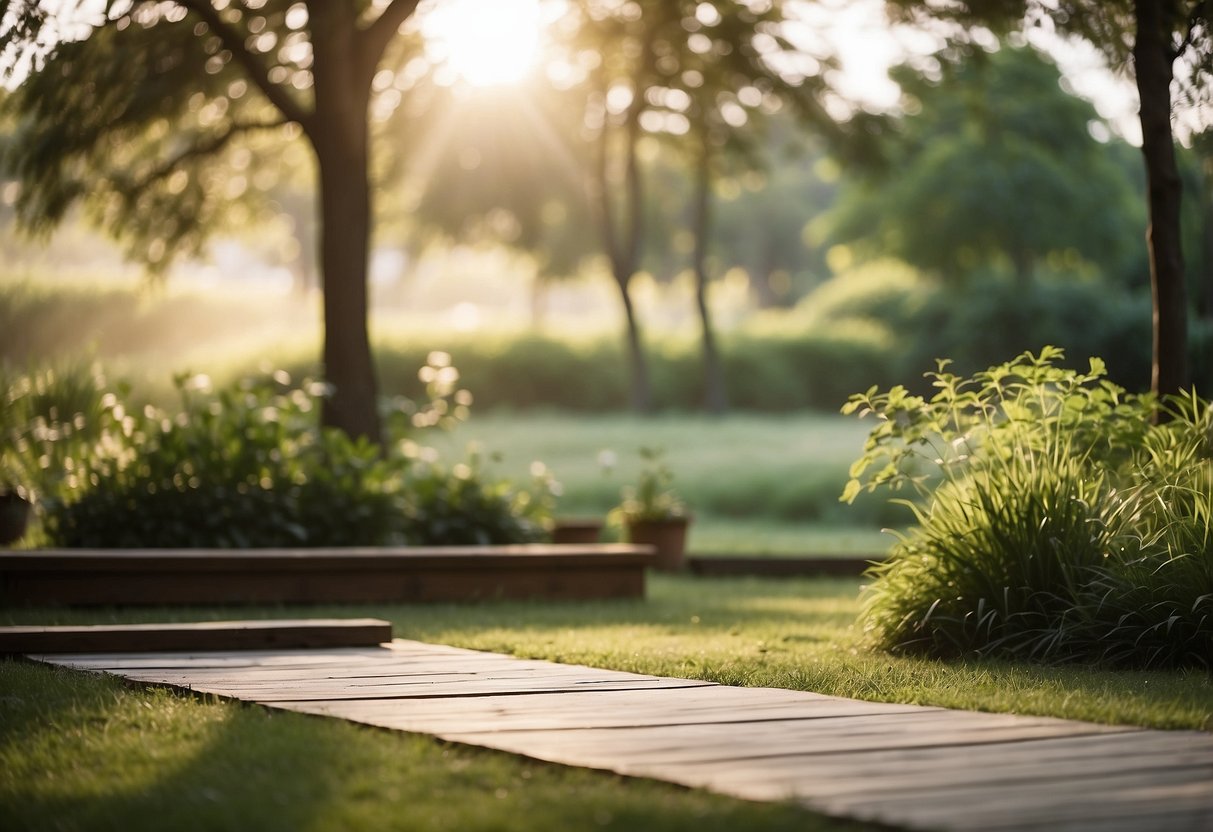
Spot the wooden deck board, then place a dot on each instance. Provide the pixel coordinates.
(899, 764)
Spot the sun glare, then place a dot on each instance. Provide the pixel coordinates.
(484, 42)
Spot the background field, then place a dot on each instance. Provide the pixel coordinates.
(759, 480)
(755, 484)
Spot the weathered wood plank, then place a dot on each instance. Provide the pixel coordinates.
(844, 775)
(338, 689)
(596, 709)
(212, 635)
(350, 575)
(206, 659)
(730, 743)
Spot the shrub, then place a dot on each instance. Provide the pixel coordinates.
(1053, 522)
(244, 467)
(49, 416)
(459, 506)
(249, 466)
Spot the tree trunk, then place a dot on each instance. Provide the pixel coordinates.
(1153, 58)
(341, 143)
(623, 255)
(715, 396)
(1204, 307)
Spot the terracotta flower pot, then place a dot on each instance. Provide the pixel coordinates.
(577, 530)
(668, 537)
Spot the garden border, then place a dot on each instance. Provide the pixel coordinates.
(322, 575)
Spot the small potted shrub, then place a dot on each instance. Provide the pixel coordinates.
(652, 513)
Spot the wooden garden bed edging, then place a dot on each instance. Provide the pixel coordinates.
(313, 576)
(210, 635)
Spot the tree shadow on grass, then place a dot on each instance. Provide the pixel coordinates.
(153, 760)
(80, 751)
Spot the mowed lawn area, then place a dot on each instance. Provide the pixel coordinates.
(85, 752)
(755, 484)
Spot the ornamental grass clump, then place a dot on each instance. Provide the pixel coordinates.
(1053, 521)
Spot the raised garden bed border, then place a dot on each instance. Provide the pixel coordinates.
(322, 576)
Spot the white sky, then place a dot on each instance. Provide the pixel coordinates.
(867, 46)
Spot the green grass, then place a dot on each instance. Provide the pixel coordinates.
(797, 634)
(770, 538)
(755, 484)
(85, 752)
(79, 751)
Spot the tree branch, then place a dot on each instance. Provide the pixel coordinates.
(379, 33)
(207, 148)
(257, 71)
(1198, 15)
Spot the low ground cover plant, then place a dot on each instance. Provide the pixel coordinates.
(247, 465)
(1054, 519)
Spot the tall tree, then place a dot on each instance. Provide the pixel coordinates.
(727, 97)
(697, 72)
(137, 113)
(1150, 37)
(989, 173)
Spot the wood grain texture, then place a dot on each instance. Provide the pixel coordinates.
(213, 635)
(350, 575)
(903, 765)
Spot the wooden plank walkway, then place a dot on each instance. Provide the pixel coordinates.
(904, 765)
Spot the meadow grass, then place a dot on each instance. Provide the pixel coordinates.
(756, 484)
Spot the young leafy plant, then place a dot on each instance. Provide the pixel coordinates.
(1054, 520)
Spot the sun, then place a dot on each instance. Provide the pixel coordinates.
(484, 42)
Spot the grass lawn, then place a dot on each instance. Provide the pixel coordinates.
(790, 633)
(765, 485)
(78, 751)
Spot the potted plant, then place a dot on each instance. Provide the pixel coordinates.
(652, 512)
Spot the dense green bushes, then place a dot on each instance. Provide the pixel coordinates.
(245, 466)
(1054, 521)
(875, 325)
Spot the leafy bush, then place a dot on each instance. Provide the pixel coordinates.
(48, 416)
(1053, 521)
(243, 467)
(247, 466)
(458, 506)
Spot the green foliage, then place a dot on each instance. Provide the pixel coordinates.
(1053, 521)
(242, 467)
(653, 496)
(459, 506)
(246, 466)
(48, 416)
(92, 127)
(1029, 165)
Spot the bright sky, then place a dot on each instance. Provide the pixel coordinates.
(489, 42)
(867, 46)
(485, 42)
